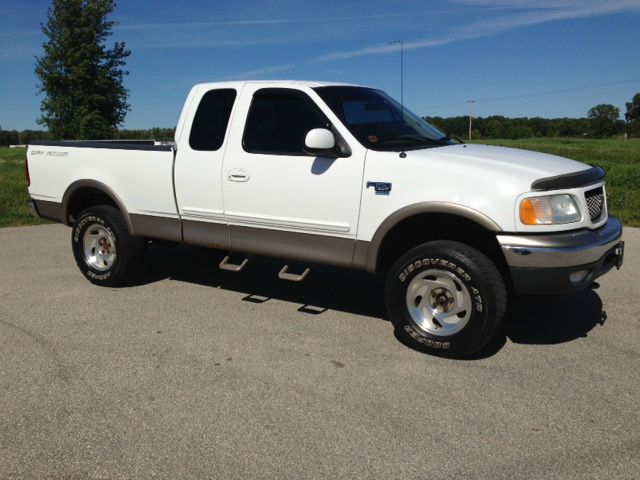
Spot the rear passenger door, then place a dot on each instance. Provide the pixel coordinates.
(280, 200)
(198, 170)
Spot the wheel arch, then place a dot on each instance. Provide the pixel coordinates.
(84, 193)
(397, 233)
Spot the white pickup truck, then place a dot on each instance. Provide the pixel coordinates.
(323, 173)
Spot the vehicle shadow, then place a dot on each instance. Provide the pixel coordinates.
(325, 288)
(530, 320)
(547, 320)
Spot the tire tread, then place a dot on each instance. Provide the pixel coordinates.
(130, 248)
(491, 280)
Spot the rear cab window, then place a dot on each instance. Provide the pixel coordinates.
(211, 119)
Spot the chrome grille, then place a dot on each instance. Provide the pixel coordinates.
(595, 203)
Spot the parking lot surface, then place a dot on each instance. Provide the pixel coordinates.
(195, 372)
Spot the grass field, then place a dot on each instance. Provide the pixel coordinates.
(621, 160)
(13, 189)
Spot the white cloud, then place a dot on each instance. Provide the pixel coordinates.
(274, 21)
(535, 12)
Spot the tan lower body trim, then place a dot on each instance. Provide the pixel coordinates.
(206, 234)
(50, 210)
(303, 247)
(291, 245)
(360, 255)
(162, 228)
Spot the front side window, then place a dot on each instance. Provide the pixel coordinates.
(378, 121)
(279, 120)
(211, 119)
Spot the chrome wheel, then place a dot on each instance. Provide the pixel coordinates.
(438, 302)
(99, 247)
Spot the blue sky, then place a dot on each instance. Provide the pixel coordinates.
(514, 57)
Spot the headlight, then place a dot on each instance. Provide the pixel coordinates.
(549, 210)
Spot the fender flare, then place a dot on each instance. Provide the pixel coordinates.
(373, 248)
(94, 184)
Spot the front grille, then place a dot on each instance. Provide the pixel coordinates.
(595, 203)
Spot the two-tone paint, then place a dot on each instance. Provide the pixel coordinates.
(304, 207)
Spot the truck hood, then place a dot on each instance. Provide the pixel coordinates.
(523, 166)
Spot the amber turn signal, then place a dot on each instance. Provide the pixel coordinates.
(527, 212)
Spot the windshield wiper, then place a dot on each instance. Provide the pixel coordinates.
(402, 138)
(414, 138)
(447, 139)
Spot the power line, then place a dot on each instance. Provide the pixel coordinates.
(537, 94)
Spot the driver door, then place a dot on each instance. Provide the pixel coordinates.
(279, 200)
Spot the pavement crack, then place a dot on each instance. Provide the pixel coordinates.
(62, 370)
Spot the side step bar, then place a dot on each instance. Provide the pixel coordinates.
(284, 274)
(232, 267)
(292, 277)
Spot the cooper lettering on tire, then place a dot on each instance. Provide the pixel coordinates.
(103, 248)
(446, 297)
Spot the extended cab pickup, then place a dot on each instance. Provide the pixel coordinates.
(336, 174)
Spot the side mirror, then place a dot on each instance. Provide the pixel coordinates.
(320, 142)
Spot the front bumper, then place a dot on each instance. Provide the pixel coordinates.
(562, 262)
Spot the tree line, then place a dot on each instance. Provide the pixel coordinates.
(495, 126)
(498, 126)
(24, 137)
(602, 121)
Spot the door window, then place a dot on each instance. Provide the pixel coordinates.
(279, 120)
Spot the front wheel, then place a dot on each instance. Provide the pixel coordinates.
(446, 298)
(104, 250)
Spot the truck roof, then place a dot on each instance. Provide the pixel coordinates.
(279, 83)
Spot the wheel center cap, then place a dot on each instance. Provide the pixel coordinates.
(106, 245)
(441, 300)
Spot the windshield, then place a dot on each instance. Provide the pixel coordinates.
(377, 120)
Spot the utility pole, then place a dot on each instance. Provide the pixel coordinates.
(472, 104)
(400, 42)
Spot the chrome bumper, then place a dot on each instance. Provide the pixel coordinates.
(557, 250)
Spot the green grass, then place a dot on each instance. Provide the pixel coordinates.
(13, 189)
(620, 159)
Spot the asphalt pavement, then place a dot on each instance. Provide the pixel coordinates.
(194, 372)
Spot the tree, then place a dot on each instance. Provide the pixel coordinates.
(81, 78)
(604, 120)
(632, 116)
(494, 127)
(519, 131)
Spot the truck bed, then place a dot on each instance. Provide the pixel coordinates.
(137, 174)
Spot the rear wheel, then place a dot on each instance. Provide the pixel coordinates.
(104, 250)
(446, 297)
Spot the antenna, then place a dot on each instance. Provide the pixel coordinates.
(401, 43)
(472, 104)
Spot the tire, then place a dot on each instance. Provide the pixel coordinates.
(105, 252)
(430, 283)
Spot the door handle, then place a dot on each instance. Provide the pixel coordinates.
(238, 175)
